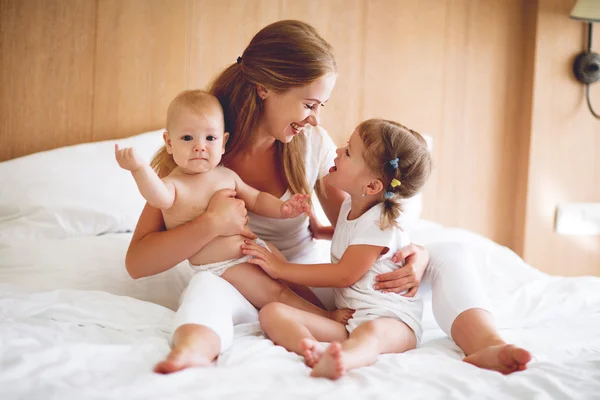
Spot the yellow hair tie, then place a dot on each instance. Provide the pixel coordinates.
(395, 182)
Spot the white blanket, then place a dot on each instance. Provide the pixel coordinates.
(88, 344)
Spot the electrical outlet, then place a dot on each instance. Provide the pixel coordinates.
(578, 219)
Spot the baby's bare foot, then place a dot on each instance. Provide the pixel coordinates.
(312, 351)
(504, 358)
(179, 359)
(342, 315)
(331, 364)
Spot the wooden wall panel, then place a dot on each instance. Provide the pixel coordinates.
(341, 23)
(405, 69)
(490, 80)
(46, 70)
(565, 146)
(493, 105)
(521, 176)
(141, 62)
(220, 30)
(448, 69)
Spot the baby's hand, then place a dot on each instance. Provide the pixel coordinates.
(342, 315)
(263, 258)
(128, 159)
(295, 206)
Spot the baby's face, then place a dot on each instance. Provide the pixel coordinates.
(196, 141)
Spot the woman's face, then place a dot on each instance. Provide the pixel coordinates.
(287, 113)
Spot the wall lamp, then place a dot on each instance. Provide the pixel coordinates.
(587, 64)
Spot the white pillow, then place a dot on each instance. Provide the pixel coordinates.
(88, 263)
(81, 191)
(71, 191)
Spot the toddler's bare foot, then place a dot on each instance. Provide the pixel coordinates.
(504, 358)
(331, 364)
(179, 359)
(312, 350)
(342, 315)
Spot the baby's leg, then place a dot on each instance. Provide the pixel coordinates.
(260, 289)
(383, 335)
(299, 331)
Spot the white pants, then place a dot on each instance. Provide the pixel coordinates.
(213, 302)
(454, 283)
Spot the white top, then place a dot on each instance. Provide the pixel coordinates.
(292, 236)
(365, 230)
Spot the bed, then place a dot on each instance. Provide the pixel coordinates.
(73, 324)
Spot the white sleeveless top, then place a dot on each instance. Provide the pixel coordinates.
(292, 236)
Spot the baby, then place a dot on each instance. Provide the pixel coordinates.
(383, 163)
(195, 141)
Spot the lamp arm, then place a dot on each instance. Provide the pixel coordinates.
(589, 103)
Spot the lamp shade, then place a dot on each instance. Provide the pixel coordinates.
(586, 10)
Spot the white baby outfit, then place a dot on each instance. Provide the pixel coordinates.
(369, 303)
(218, 268)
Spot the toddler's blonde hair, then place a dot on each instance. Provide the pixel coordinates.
(385, 141)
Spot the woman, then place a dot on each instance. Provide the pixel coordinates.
(272, 98)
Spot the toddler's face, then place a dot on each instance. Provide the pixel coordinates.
(350, 172)
(196, 141)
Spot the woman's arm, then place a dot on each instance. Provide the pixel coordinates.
(331, 200)
(355, 262)
(154, 250)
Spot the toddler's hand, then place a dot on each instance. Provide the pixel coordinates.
(342, 315)
(128, 159)
(263, 258)
(295, 206)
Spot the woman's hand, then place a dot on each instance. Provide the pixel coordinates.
(262, 257)
(408, 277)
(229, 215)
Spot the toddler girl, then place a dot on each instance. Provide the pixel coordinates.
(383, 163)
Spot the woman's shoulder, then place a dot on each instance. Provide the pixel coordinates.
(316, 132)
(317, 137)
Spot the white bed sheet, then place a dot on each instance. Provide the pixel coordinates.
(84, 343)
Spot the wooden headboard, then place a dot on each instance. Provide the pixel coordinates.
(75, 71)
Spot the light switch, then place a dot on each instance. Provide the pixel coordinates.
(578, 219)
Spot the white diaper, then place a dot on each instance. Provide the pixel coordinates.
(220, 267)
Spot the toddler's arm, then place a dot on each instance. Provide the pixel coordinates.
(158, 193)
(267, 205)
(355, 262)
